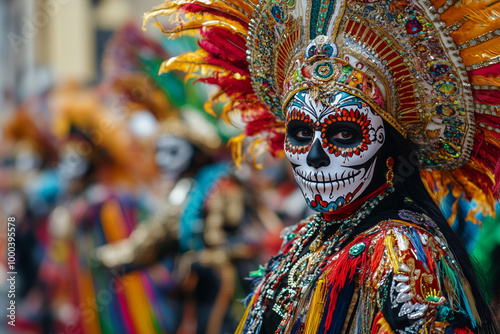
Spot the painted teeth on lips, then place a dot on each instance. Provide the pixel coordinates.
(322, 178)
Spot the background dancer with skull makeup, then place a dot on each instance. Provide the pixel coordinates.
(198, 231)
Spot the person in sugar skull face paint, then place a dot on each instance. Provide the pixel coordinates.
(191, 234)
(352, 89)
(173, 155)
(180, 156)
(333, 148)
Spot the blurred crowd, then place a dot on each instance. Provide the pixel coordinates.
(130, 214)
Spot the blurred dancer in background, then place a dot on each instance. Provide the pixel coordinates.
(30, 191)
(202, 228)
(98, 166)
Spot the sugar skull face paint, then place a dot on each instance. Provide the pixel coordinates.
(173, 155)
(333, 147)
(72, 165)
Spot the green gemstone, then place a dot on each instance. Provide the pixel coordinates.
(434, 299)
(257, 273)
(291, 236)
(321, 66)
(357, 249)
(297, 77)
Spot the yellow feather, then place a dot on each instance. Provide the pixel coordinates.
(454, 212)
(228, 112)
(191, 62)
(464, 11)
(192, 26)
(482, 80)
(470, 298)
(492, 140)
(191, 29)
(182, 20)
(239, 329)
(479, 22)
(316, 307)
(247, 5)
(216, 98)
(481, 52)
(236, 144)
(191, 75)
(482, 169)
(384, 326)
(208, 106)
(243, 10)
(390, 244)
(256, 150)
(471, 216)
(234, 26)
(431, 180)
(158, 11)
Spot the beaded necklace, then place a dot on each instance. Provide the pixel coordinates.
(303, 271)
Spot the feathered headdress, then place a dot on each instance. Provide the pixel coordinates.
(23, 127)
(81, 119)
(431, 69)
(130, 64)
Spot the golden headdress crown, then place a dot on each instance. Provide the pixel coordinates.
(397, 56)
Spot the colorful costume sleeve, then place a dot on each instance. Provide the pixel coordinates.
(417, 284)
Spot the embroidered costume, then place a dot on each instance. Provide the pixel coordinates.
(391, 278)
(378, 104)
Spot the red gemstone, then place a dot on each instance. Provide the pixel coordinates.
(413, 27)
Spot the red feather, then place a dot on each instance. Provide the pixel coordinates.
(493, 70)
(486, 96)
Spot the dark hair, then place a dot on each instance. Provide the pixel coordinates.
(408, 183)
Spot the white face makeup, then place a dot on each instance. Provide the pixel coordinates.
(28, 160)
(332, 147)
(173, 155)
(72, 165)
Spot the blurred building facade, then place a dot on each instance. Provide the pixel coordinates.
(44, 42)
